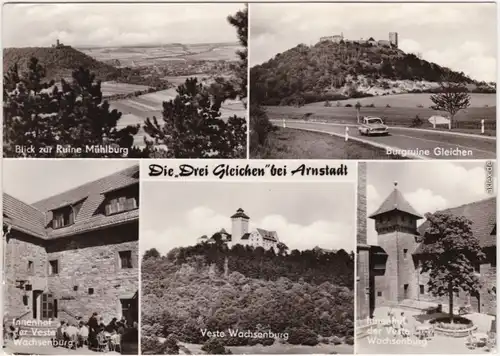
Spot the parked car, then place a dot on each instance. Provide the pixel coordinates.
(373, 126)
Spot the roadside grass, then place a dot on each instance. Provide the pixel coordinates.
(288, 143)
(466, 121)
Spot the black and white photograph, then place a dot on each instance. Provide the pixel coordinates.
(373, 80)
(125, 80)
(247, 268)
(426, 258)
(70, 257)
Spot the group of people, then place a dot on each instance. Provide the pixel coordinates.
(94, 333)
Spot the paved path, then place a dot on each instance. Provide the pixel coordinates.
(430, 145)
(384, 342)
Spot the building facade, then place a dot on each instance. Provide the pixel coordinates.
(75, 253)
(240, 234)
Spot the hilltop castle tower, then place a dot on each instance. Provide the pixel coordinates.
(393, 39)
(396, 225)
(239, 226)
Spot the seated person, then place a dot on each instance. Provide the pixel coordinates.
(71, 334)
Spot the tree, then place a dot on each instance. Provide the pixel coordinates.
(193, 128)
(240, 22)
(358, 108)
(282, 248)
(151, 253)
(449, 253)
(452, 97)
(44, 116)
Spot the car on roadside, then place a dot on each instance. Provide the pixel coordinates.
(371, 125)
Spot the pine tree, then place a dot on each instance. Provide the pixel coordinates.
(40, 114)
(192, 127)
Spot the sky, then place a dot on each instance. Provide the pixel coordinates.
(428, 186)
(31, 180)
(304, 215)
(462, 37)
(81, 25)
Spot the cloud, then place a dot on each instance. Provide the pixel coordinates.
(205, 221)
(434, 30)
(424, 200)
(116, 24)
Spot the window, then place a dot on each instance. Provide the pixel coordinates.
(30, 267)
(405, 253)
(422, 289)
(53, 267)
(379, 294)
(63, 217)
(125, 259)
(91, 291)
(119, 202)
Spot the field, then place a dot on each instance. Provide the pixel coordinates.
(411, 101)
(157, 55)
(136, 110)
(112, 88)
(288, 143)
(403, 109)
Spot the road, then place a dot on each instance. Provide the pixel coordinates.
(414, 142)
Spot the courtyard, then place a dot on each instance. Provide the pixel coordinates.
(382, 340)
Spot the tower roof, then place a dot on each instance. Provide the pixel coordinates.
(240, 214)
(395, 202)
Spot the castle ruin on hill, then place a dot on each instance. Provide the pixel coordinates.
(392, 42)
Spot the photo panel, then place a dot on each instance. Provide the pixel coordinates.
(373, 80)
(125, 80)
(247, 267)
(70, 256)
(426, 258)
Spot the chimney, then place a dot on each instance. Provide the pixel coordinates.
(362, 238)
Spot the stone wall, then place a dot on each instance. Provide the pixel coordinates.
(19, 250)
(92, 260)
(361, 208)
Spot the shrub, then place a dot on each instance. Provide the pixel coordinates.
(302, 336)
(349, 340)
(416, 122)
(387, 106)
(327, 104)
(150, 345)
(215, 347)
(336, 340)
(348, 105)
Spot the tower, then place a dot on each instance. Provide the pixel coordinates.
(239, 226)
(396, 225)
(393, 39)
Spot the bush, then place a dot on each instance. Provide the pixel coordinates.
(348, 105)
(215, 347)
(387, 106)
(349, 340)
(327, 104)
(302, 336)
(336, 340)
(150, 345)
(416, 122)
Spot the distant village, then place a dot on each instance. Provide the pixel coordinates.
(391, 42)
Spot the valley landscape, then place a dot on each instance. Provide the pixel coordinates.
(114, 85)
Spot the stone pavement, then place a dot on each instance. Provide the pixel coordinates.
(383, 341)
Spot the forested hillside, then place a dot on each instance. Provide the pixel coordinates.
(308, 295)
(59, 62)
(331, 71)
